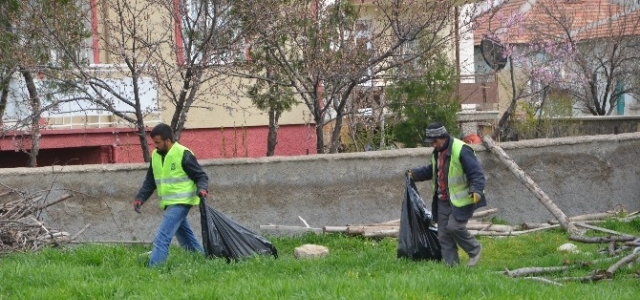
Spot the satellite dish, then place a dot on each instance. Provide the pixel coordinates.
(493, 53)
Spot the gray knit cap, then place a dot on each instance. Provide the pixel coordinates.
(435, 130)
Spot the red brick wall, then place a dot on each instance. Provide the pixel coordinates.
(121, 145)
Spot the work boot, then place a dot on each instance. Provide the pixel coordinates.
(474, 260)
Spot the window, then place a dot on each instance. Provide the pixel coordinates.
(213, 34)
(409, 49)
(363, 34)
(66, 105)
(86, 52)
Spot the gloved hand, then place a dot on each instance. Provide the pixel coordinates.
(203, 194)
(476, 197)
(137, 204)
(408, 173)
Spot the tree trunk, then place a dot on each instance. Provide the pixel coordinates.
(540, 111)
(319, 137)
(3, 101)
(184, 102)
(335, 134)
(34, 101)
(512, 106)
(142, 132)
(142, 136)
(383, 139)
(272, 140)
(531, 185)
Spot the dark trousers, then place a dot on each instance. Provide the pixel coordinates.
(453, 233)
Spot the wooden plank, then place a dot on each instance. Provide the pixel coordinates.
(290, 228)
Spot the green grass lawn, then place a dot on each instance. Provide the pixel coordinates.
(356, 268)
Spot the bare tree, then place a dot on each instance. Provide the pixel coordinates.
(587, 50)
(606, 56)
(133, 37)
(209, 35)
(26, 53)
(159, 48)
(327, 48)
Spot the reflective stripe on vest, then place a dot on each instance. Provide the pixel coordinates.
(173, 185)
(457, 185)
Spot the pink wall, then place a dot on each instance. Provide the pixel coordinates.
(121, 145)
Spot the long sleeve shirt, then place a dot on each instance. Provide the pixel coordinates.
(189, 164)
(471, 168)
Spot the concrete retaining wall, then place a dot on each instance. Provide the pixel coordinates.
(581, 174)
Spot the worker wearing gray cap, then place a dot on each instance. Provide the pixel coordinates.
(458, 184)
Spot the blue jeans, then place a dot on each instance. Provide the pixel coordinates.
(174, 223)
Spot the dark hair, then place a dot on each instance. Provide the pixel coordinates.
(162, 130)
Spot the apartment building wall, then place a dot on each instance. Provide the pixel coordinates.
(221, 101)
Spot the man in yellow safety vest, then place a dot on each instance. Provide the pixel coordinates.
(178, 179)
(458, 184)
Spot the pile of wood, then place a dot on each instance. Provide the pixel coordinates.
(21, 228)
(392, 228)
(622, 250)
(479, 224)
(374, 230)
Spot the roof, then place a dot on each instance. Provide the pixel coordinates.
(523, 21)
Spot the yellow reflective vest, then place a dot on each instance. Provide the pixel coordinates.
(457, 185)
(173, 185)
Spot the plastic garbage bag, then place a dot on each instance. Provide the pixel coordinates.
(417, 239)
(223, 237)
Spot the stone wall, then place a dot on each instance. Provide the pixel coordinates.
(578, 126)
(581, 174)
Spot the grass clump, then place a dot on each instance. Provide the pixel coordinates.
(356, 268)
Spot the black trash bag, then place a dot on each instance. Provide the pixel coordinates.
(417, 239)
(223, 237)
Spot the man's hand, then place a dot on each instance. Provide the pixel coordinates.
(203, 194)
(408, 173)
(137, 204)
(476, 197)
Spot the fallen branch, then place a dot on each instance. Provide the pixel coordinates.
(583, 279)
(304, 222)
(512, 233)
(601, 229)
(533, 271)
(634, 243)
(490, 227)
(625, 260)
(601, 240)
(595, 216)
(476, 215)
(381, 233)
(335, 229)
(484, 213)
(20, 226)
(600, 217)
(388, 223)
(75, 236)
(290, 228)
(531, 185)
(64, 197)
(529, 225)
(363, 229)
(112, 242)
(544, 280)
(611, 249)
